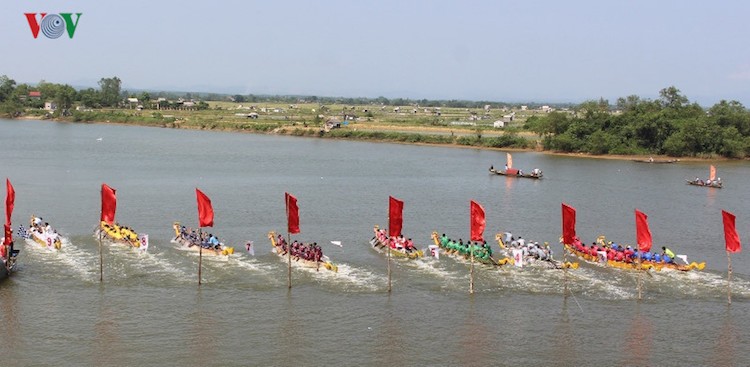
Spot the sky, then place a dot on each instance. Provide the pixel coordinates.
(505, 51)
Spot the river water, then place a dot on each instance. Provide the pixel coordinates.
(150, 311)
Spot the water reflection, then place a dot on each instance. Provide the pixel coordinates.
(391, 338)
(724, 350)
(638, 340)
(291, 343)
(11, 336)
(107, 346)
(475, 343)
(564, 340)
(202, 340)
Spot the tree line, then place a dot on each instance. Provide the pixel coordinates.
(669, 125)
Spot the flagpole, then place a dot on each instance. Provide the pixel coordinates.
(200, 259)
(389, 267)
(288, 247)
(471, 268)
(729, 278)
(101, 257)
(640, 272)
(565, 270)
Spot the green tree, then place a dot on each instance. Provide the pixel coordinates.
(110, 89)
(671, 98)
(7, 87)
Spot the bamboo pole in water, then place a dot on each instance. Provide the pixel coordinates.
(565, 271)
(389, 266)
(101, 256)
(200, 260)
(729, 278)
(289, 259)
(471, 268)
(640, 274)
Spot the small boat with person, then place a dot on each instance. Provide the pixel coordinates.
(656, 161)
(308, 255)
(42, 233)
(400, 247)
(712, 180)
(509, 171)
(199, 241)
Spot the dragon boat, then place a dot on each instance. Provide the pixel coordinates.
(379, 244)
(280, 250)
(189, 241)
(630, 264)
(42, 234)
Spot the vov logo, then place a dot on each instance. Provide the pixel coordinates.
(53, 25)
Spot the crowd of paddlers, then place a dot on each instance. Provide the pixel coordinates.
(529, 248)
(481, 250)
(199, 238)
(117, 231)
(617, 252)
(398, 243)
(299, 250)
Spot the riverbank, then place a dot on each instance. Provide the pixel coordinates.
(440, 136)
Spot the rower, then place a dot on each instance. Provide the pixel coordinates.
(667, 253)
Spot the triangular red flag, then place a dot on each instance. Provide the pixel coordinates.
(205, 210)
(292, 213)
(109, 204)
(10, 200)
(477, 221)
(395, 216)
(642, 233)
(730, 232)
(568, 224)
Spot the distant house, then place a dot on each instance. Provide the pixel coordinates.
(509, 118)
(132, 100)
(524, 108)
(546, 109)
(498, 124)
(35, 94)
(50, 106)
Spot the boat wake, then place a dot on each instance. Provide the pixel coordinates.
(350, 277)
(432, 267)
(151, 263)
(70, 257)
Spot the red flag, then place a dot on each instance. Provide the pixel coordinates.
(730, 232)
(642, 233)
(205, 210)
(395, 216)
(10, 200)
(568, 224)
(292, 213)
(109, 204)
(477, 221)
